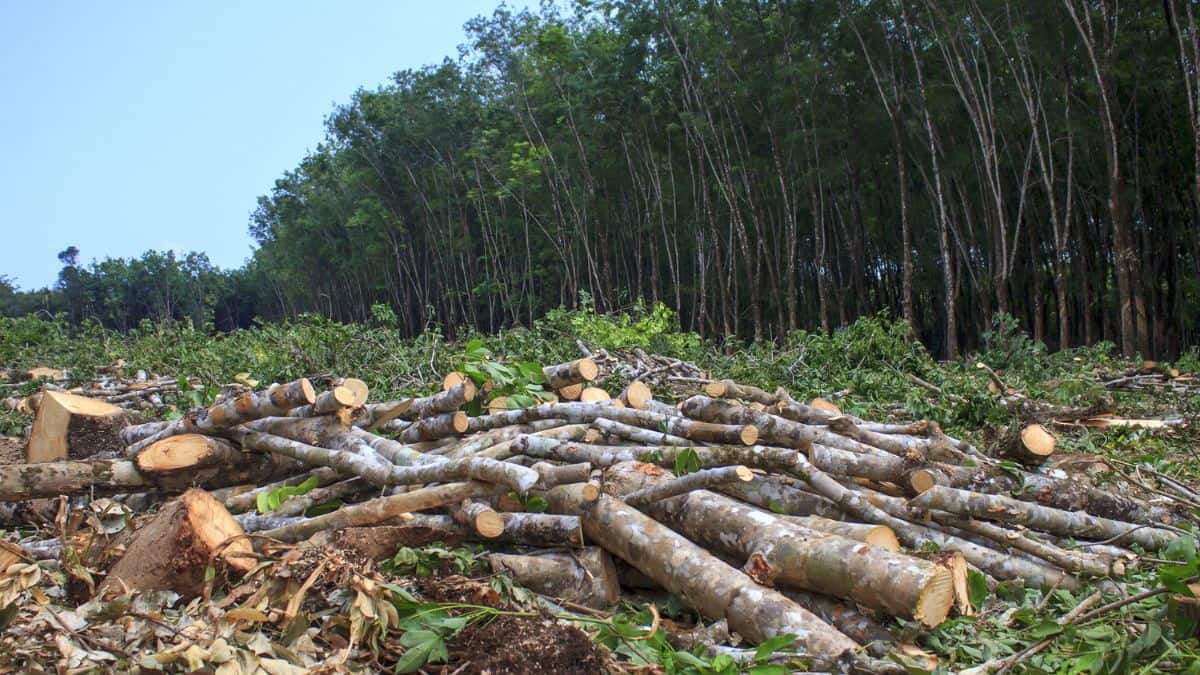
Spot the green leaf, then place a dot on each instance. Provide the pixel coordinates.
(536, 504)
(1045, 629)
(768, 669)
(773, 645)
(1182, 549)
(977, 589)
(415, 657)
(687, 461)
(532, 372)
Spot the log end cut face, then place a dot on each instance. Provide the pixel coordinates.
(937, 597)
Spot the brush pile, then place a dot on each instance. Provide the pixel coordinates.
(768, 516)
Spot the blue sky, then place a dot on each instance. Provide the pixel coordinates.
(134, 125)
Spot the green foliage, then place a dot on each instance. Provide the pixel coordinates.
(687, 461)
(273, 499)
(627, 634)
(429, 559)
(520, 382)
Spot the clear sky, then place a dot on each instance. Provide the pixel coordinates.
(133, 125)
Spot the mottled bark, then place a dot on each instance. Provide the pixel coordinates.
(586, 576)
(781, 553)
(712, 587)
(382, 509)
(1044, 518)
(573, 372)
(277, 400)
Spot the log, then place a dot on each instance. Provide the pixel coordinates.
(277, 400)
(479, 517)
(382, 509)
(75, 427)
(876, 535)
(377, 472)
(379, 414)
(297, 505)
(636, 394)
(594, 395)
(1033, 445)
(445, 401)
(571, 392)
(712, 587)
(1046, 519)
(586, 577)
(436, 427)
(572, 372)
(1002, 566)
(174, 550)
(856, 625)
(757, 456)
(698, 480)
(731, 389)
(781, 553)
(327, 402)
(185, 452)
(779, 494)
(873, 507)
(637, 434)
(825, 405)
(111, 476)
(453, 379)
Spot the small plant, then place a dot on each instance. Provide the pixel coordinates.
(521, 383)
(425, 561)
(273, 499)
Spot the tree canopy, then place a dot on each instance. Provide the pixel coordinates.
(759, 167)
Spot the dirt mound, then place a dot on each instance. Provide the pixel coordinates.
(514, 644)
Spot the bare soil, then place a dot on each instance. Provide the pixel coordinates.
(512, 644)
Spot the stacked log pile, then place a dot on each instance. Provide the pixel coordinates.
(769, 514)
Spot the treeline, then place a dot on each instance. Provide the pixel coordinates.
(159, 286)
(763, 166)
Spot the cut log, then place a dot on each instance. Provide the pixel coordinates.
(698, 480)
(712, 587)
(453, 379)
(445, 401)
(379, 414)
(1033, 445)
(621, 430)
(436, 427)
(876, 535)
(636, 394)
(586, 577)
(572, 372)
(73, 427)
(571, 392)
(781, 553)
(382, 509)
(779, 494)
(277, 400)
(607, 455)
(479, 517)
(44, 373)
(110, 476)
(731, 389)
(825, 406)
(498, 404)
(327, 402)
(594, 395)
(174, 550)
(1046, 519)
(186, 451)
(358, 390)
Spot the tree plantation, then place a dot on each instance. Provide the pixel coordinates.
(757, 166)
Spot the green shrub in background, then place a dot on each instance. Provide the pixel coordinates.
(870, 360)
